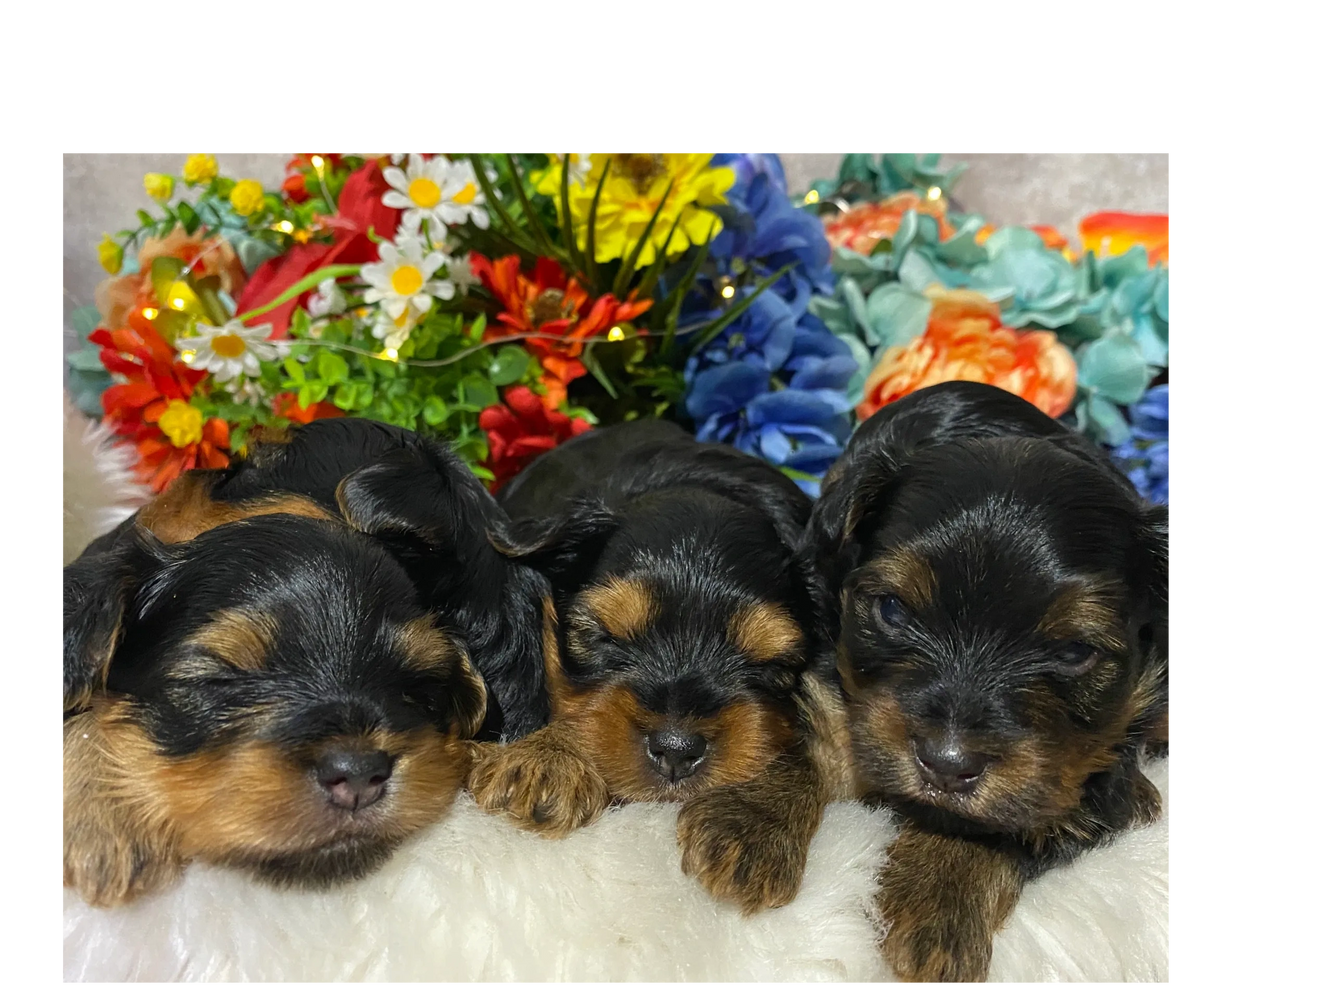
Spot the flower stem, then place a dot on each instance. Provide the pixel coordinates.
(304, 285)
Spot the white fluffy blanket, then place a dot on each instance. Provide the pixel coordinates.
(475, 899)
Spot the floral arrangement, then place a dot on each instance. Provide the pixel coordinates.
(506, 303)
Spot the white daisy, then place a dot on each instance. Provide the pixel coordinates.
(402, 278)
(394, 331)
(326, 300)
(227, 351)
(462, 197)
(460, 272)
(421, 192)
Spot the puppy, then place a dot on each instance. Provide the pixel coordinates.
(685, 663)
(1002, 601)
(252, 682)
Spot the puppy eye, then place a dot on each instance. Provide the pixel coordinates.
(893, 610)
(1076, 658)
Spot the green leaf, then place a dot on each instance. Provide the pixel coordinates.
(145, 219)
(318, 391)
(304, 285)
(188, 216)
(496, 207)
(331, 368)
(508, 365)
(345, 396)
(365, 394)
(434, 411)
(566, 223)
(478, 328)
(590, 250)
(294, 369)
(303, 397)
(596, 371)
(677, 297)
(529, 213)
(479, 391)
(85, 320)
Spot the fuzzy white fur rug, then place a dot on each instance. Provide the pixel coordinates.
(475, 899)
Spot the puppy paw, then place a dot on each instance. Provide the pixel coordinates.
(539, 784)
(741, 850)
(110, 869)
(935, 944)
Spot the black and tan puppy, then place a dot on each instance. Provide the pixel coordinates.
(683, 666)
(252, 681)
(1002, 594)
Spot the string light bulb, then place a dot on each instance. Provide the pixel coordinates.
(317, 162)
(811, 196)
(728, 290)
(388, 354)
(284, 227)
(187, 355)
(149, 313)
(178, 303)
(934, 194)
(615, 333)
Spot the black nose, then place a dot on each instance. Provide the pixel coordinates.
(947, 765)
(354, 778)
(676, 754)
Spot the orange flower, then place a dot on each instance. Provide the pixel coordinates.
(1051, 236)
(288, 404)
(548, 302)
(965, 341)
(1111, 233)
(862, 227)
(116, 298)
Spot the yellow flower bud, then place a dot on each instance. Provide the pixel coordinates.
(182, 423)
(159, 186)
(110, 254)
(247, 197)
(199, 169)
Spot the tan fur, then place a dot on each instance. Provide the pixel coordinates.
(243, 802)
(624, 607)
(241, 638)
(764, 632)
(944, 899)
(907, 575)
(1085, 612)
(425, 646)
(186, 509)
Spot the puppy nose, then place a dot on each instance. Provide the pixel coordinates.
(676, 754)
(947, 765)
(354, 778)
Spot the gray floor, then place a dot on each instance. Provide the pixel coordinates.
(102, 193)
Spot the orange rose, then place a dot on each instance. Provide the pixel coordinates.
(965, 341)
(1112, 233)
(862, 227)
(214, 257)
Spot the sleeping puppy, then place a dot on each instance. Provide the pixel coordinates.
(1002, 594)
(683, 665)
(251, 681)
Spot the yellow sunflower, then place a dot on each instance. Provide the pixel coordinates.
(635, 184)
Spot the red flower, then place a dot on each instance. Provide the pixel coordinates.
(293, 186)
(359, 207)
(520, 429)
(159, 387)
(286, 404)
(548, 302)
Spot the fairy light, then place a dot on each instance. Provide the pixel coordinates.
(187, 355)
(318, 163)
(149, 313)
(284, 227)
(811, 196)
(388, 354)
(177, 303)
(728, 290)
(615, 333)
(934, 194)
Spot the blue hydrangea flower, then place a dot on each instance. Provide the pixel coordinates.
(1143, 457)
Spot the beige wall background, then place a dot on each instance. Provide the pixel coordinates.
(103, 191)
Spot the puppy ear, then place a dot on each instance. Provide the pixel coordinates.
(99, 587)
(857, 485)
(562, 546)
(423, 498)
